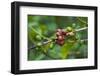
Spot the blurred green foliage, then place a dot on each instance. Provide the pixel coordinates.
(42, 28)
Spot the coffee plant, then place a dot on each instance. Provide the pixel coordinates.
(57, 37)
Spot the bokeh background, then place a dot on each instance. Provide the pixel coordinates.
(41, 28)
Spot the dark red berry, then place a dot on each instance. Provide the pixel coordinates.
(60, 38)
(64, 33)
(61, 33)
(60, 42)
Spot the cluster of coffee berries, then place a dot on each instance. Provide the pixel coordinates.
(70, 31)
(60, 33)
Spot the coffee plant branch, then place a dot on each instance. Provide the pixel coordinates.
(49, 41)
(77, 30)
(44, 43)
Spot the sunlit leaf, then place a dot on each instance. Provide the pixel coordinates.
(65, 49)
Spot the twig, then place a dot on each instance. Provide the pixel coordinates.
(44, 43)
(84, 40)
(84, 28)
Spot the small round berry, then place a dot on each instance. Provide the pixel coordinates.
(58, 30)
(60, 38)
(36, 48)
(39, 44)
(38, 37)
(63, 32)
(61, 42)
(71, 33)
(58, 34)
(67, 34)
(69, 29)
(51, 45)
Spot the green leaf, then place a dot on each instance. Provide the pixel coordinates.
(41, 56)
(65, 50)
(55, 51)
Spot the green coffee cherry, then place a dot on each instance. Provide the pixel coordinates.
(69, 29)
(36, 48)
(39, 44)
(51, 45)
(38, 37)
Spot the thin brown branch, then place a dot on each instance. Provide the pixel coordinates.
(44, 43)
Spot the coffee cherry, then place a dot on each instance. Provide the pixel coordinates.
(63, 32)
(51, 45)
(60, 36)
(71, 33)
(39, 44)
(60, 42)
(69, 29)
(60, 32)
(38, 37)
(37, 48)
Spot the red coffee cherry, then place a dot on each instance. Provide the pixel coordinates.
(60, 42)
(60, 36)
(63, 32)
